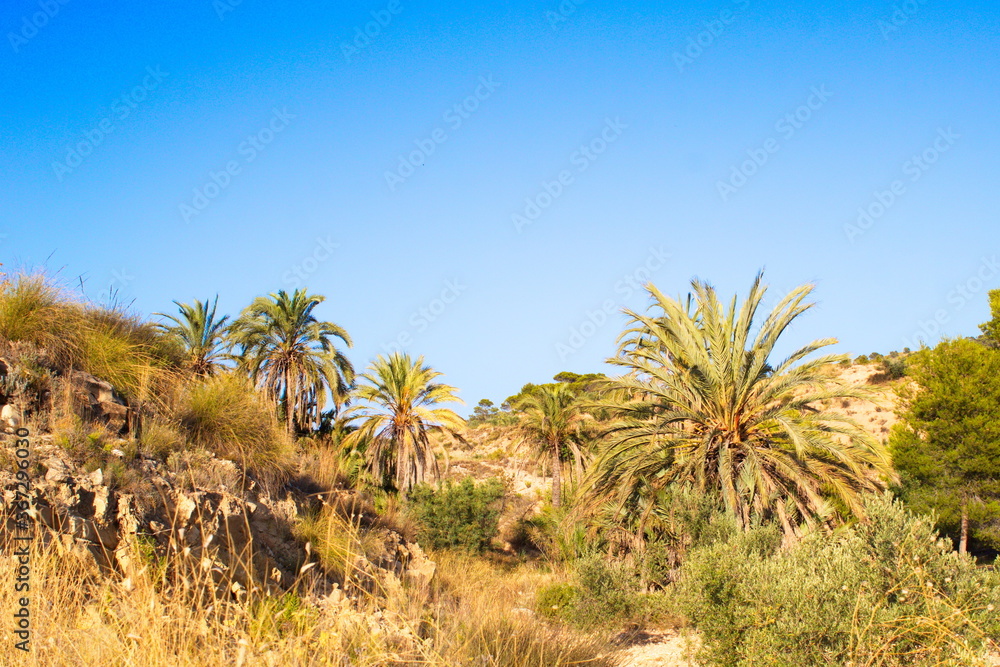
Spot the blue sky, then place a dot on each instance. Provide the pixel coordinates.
(513, 171)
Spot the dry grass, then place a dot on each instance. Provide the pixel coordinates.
(46, 331)
(171, 611)
(224, 414)
(35, 311)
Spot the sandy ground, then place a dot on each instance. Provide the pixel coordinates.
(670, 649)
(874, 418)
(660, 648)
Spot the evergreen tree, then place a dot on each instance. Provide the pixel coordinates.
(947, 446)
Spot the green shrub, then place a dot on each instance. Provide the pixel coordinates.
(892, 369)
(886, 592)
(608, 593)
(462, 516)
(556, 600)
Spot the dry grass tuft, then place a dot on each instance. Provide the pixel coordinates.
(167, 611)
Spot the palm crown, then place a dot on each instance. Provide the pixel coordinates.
(292, 355)
(702, 406)
(201, 333)
(399, 414)
(551, 417)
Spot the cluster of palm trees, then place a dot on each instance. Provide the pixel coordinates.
(293, 358)
(702, 406)
(278, 342)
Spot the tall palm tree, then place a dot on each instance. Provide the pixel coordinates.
(201, 333)
(292, 356)
(399, 414)
(551, 418)
(702, 405)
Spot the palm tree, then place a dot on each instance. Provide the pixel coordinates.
(703, 407)
(292, 356)
(551, 417)
(201, 333)
(398, 418)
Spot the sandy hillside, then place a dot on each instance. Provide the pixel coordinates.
(877, 417)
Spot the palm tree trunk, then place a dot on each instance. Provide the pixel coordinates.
(788, 533)
(556, 476)
(289, 403)
(963, 542)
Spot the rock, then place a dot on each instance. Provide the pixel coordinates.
(10, 416)
(242, 540)
(420, 569)
(58, 471)
(97, 400)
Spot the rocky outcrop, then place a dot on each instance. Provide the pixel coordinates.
(96, 400)
(241, 539)
(27, 388)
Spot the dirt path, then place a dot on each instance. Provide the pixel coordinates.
(665, 648)
(670, 649)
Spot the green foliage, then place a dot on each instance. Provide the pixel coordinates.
(486, 412)
(587, 383)
(947, 446)
(201, 334)
(556, 600)
(585, 386)
(604, 594)
(680, 519)
(991, 329)
(292, 355)
(892, 368)
(886, 592)
(704, 403)
(557, 535)
(398, 412)
(458, 516)
(552, 420)
(607, 591)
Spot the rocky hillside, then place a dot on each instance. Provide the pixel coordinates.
(205, 525)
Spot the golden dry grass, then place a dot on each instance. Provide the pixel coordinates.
(159, 616)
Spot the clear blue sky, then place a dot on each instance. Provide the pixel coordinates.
(113, 118)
